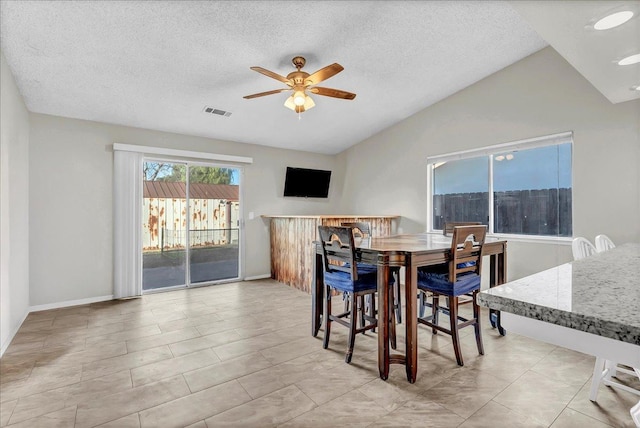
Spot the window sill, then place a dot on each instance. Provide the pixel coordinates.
(562, 240)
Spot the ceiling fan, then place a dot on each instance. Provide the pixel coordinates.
(301, 82)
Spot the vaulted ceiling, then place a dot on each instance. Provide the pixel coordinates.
(158, 65)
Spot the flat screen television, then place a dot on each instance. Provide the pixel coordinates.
(307, 183)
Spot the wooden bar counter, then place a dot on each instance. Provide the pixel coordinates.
(292, 254)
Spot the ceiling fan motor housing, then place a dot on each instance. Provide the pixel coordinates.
(298, 62)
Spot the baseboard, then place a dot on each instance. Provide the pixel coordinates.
(253, 278)
(68, 303)
(12, 335)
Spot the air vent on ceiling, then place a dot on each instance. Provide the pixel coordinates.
(219, 112)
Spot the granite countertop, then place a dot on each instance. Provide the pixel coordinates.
(598, 294)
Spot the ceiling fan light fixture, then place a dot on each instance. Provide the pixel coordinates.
(308, 103)
(299, 98)
(613, 20)
(290, 104)
(631, 59)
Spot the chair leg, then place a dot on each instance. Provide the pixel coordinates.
(611, 367)
(453, 316)
(476, 326)
(397, 302)
(372, 308)
(423, 303)
(435, 308)
(597, 378)
(368, 308)
(352, 327)
(327, 316)
(392, 321)
(363, 302)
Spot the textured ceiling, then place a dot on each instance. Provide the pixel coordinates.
(156, 65)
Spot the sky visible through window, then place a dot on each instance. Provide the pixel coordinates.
(547, 167)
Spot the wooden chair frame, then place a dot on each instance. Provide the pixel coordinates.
(363, 229)
(466, 257)
(338, 250)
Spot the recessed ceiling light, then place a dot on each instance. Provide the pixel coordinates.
(632, 59)
(635, 88)
(613, 20)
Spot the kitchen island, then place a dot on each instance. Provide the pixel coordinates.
(588, 305)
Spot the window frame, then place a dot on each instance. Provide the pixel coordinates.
(490, 151)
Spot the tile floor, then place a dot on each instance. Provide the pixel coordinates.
(242, 355)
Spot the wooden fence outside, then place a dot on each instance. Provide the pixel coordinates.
(212, 222)
(525, 212)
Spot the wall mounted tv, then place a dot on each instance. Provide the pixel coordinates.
(307, 183)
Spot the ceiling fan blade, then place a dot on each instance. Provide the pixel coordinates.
(323, 74)
(262, 94)
(335, 93)
(272, 75)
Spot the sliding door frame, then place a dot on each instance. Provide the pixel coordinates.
(241, 240)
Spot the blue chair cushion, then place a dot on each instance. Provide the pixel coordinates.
(439, 283)
(342, 280)
(466, 264)
(364, 268)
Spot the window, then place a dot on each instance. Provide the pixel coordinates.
(519, 188)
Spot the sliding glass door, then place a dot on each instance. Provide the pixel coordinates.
(214, 230)
(191, 224)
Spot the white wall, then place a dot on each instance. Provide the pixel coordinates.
(71, 173)
(14, 207)
(540, 95)
(71, 166)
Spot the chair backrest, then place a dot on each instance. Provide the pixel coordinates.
(604, 243)
(338, 250)
(447, 230)
(582, 247)
(466, 250)
(361, 229)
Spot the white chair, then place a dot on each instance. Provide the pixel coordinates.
(582, 247)
(604, 243)
(604, 369)
(635, 414)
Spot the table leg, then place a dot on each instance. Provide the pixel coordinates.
(411, 322)
(317, 302)
(497, 276)
(383, 324)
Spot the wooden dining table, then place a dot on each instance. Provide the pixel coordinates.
(410, 251)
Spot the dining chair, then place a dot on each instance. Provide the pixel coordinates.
(604, 243)
(605, 370)
(363, 230)
(581, 247)
(447, 230)
(635, 414)
(460, 276)
(343, 273)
